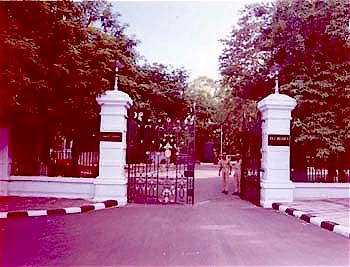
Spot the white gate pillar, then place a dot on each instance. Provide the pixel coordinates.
(112, 181)
(275, 177)
(4, 161)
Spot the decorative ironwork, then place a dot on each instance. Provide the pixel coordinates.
(160, 157)
(306, 167)
(251, 160)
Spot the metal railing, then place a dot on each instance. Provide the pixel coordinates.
(61, 164)
(316, 175)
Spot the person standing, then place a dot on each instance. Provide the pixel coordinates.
(225, 169)
(237, 174)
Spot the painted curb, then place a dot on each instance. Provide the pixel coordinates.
(71, 210)
(309, 218)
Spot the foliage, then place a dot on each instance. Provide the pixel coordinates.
(200, 96)
(243, 66)
(159, 91)
(244, 57)
(52, 71)
(311, 47)
(309, 40)
(217, 110)
(57, 56)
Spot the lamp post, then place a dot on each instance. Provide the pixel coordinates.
(194, 132)
(221, 135)
(216, 131)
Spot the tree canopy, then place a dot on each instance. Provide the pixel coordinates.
(54, 69)
(57, 56)
(309, 42)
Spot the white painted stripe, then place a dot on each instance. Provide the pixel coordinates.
(3, 215)
(339, 229)
(99, 206)
(73, 210)
(37, 212)
(282, 208)
(316, 220)
(298, 213)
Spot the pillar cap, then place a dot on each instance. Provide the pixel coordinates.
(114, 97)
(277, 101)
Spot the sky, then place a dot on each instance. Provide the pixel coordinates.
(181, 33)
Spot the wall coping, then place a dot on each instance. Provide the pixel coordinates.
(50, 179)
(321, 185)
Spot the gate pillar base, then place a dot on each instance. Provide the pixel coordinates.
(3, 187)
(275, 192)
(4, 161)
(107, 189)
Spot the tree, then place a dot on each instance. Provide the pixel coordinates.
(309, 40)
(231, 111)
(244, 66)
(59, 67)
(244, 60)
(200, 96)
(52, 72)
(159, 91)
(311, 47)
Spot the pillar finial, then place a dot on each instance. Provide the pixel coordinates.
(276, 82)
(118, 65)
(274, 72)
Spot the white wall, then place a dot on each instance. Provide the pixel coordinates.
(41, 186)
(321, 190)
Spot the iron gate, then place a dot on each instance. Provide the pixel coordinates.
(251, 159)
(161, 162)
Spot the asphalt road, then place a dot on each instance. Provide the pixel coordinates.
(218, 230)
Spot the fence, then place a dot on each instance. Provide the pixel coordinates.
(62, 164)
(320, 170)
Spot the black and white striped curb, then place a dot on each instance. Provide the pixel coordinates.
(71, 210)
(331, 226)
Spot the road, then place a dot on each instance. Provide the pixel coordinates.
(218, 230)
